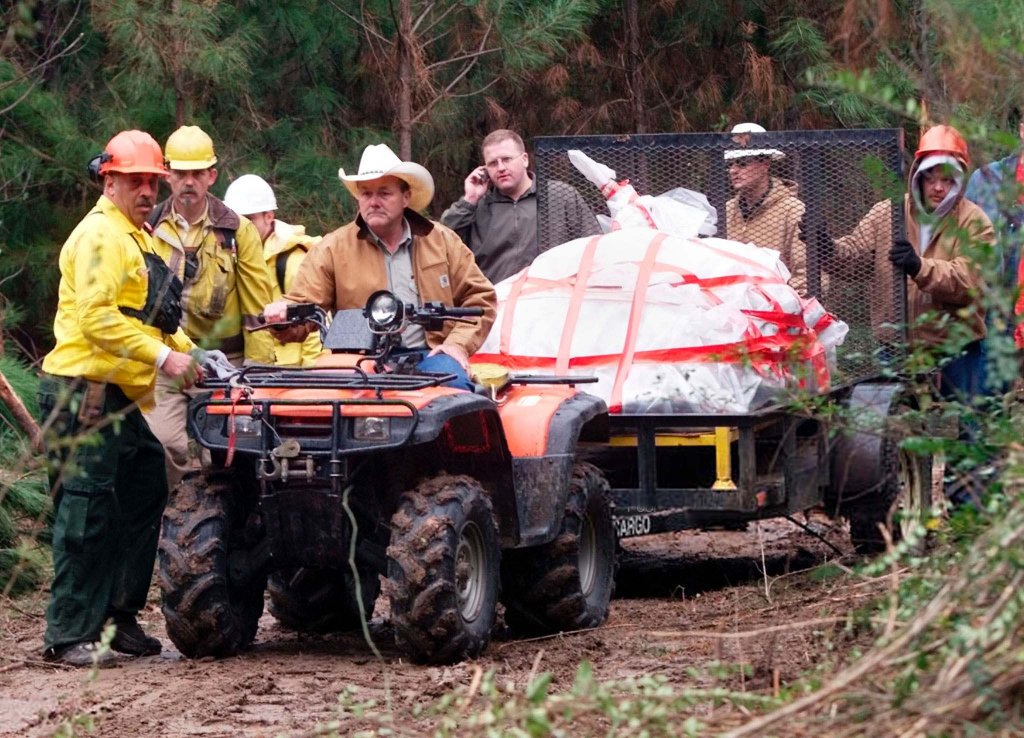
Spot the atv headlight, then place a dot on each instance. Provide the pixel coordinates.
(372, 429)
(384, 311)
(247, 426)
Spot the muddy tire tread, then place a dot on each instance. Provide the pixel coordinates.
(205, 615)
(542, 591)
(421, 570)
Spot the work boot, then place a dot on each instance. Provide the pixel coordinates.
(83, 654)
(131, 639)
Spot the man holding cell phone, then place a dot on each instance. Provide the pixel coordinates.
(497, 214)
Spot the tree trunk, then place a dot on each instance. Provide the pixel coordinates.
(405, 79)
(18, 409)
(634, 75)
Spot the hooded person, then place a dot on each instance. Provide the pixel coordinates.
(391, 246)
(765, 210)
(943, 284)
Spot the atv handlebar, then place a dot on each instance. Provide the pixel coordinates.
(303, 312)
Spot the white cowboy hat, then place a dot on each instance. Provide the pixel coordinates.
(748, 128)
(380, 161)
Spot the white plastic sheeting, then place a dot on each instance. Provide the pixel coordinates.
(668, 324)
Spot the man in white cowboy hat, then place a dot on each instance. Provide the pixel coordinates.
(391, 246)
(765, 210)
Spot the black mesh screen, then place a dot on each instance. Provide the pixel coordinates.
(839, 176)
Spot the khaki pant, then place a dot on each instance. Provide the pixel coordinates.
(167, 419)
(169, 422)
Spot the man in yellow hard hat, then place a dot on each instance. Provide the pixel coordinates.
(284, 247)
(116, 329)
(218, 256)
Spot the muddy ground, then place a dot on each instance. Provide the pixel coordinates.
(679, 598)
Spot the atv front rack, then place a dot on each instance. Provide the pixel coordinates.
(267, 377)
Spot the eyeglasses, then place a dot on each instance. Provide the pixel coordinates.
(501, 161)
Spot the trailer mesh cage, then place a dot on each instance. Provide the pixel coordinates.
(837, 177)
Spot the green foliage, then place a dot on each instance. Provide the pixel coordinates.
(25, 507)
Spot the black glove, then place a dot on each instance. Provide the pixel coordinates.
(817, 237)
(903, 255)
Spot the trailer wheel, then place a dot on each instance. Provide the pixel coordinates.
(566, 584)
(901, 501)
(210, 610)
(321, 601)
(443, 570)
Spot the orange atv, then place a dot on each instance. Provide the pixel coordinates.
(325, 479)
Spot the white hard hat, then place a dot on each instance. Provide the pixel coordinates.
(748, 128)
(250, 194)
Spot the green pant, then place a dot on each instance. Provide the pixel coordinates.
(111, 489)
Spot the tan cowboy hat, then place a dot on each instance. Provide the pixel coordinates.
(741, 135)
(380, 161)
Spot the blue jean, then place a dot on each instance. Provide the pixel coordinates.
(441, 364)
(963, 378)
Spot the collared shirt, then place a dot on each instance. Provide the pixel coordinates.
(189, 235)
(402, 281)
(102, 269)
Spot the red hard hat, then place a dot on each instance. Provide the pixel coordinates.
(943, 139)
(133, 152)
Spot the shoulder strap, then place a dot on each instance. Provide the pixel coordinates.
(281, 263)
(157, 213)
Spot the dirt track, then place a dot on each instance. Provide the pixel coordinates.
(708, 582)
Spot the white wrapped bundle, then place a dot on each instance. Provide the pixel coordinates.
(679, 211)
(667, 324)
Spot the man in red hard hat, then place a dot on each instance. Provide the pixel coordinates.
(116, 328)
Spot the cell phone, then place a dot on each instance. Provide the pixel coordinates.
(481, 176)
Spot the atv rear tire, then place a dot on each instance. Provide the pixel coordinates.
(444, 570)
(207, 612)
(566, 584)
(321, 601)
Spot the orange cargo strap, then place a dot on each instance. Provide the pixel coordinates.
(575, 303)
(636, 311)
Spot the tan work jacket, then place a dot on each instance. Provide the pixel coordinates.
(948, 284)
(345, 268)
(774, 224)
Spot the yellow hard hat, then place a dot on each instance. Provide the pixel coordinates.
(190, 148)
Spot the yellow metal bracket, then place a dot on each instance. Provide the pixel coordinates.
(723, 459)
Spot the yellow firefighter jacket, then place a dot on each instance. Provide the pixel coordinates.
(226, 281)
(102, 269)
(284, 250)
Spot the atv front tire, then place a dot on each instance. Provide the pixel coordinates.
(208, 612)
(566, 584)
(444, 570)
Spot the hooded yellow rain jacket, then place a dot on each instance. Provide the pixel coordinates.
(290, 242)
